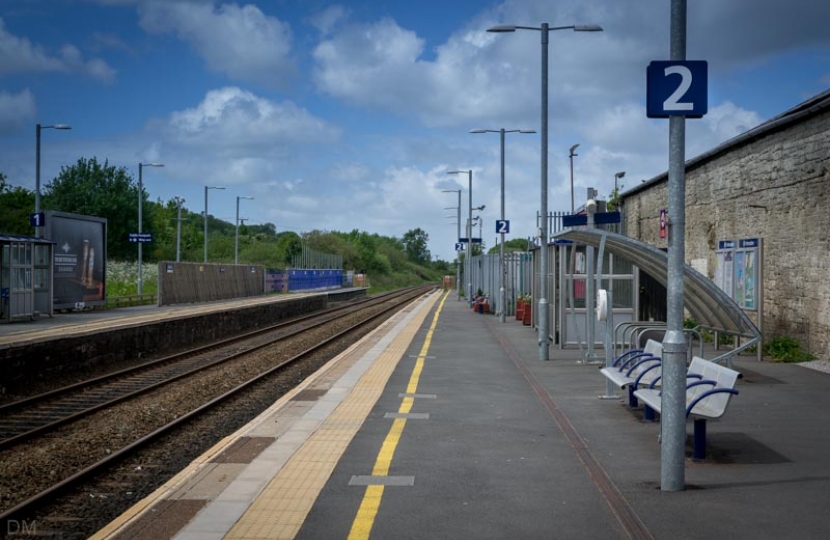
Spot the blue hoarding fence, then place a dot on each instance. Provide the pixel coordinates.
(297, 279)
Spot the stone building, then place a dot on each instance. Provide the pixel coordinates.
(772, 183)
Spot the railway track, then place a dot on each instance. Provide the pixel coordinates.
(29, 417)
(83, 400)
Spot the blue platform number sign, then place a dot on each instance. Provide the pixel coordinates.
(459, 246)
(502, 226)
(677, 88)
(37, 219)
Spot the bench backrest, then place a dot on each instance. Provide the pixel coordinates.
(710, 371)
(654, 348)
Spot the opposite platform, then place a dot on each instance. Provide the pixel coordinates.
(472, 436)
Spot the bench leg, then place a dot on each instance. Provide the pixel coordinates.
(649, 413)
(632, 399)
(699, 444)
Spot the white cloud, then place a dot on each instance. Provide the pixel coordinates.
(19, 55)
(17, 111)
(232, 118)
(382, 65)
(727, 120)
(239, 41)
(326, 20)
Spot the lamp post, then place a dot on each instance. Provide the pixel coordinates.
(571, 155)
(38, 129)
(206, 217)
(467, 269)
(458, 238)
(502, 292)
(470, 223)
(236, 243)
(617, 176)
(140, 219)
(179, 201)
(545, 29)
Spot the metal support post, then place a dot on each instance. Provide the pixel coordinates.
(673, 417)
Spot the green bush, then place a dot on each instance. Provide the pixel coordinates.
(786, 349)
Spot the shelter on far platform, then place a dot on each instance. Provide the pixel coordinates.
(26, 285)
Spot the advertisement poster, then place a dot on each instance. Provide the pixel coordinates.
(745, 279)
(723, 272)
(80, 259)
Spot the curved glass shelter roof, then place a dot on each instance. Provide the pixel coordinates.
(706, 302)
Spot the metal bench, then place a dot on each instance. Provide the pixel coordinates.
(635, 368)
(709, 389)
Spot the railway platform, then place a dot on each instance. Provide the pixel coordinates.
(443, 423)
(81, 323)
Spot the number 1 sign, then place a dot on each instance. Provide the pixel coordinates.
(677, 88)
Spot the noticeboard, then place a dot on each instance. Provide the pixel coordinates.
(737, 271)
(80, 259)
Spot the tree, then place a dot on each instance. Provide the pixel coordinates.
(17, 204)
(516, 244)
(415, 243)
(92, 189)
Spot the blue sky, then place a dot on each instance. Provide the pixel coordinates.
(340, 116)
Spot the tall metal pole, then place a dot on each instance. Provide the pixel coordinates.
(38, 232)
(469, 230)
(590, 290)
(140, 243)
(544, 346)
(467, 268)
(571, 155)
(673, 417)
(141, 221)
(205, 222)
(458, 255)
(502, 267)
(544, 332)
(179, 202)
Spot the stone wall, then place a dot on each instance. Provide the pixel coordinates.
(773, 185)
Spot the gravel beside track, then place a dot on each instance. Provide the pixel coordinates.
(33, 466)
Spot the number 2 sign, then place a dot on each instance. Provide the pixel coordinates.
(677, 88)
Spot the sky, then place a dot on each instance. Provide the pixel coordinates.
(349, 115)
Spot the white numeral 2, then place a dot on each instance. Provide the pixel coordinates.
(673, 103)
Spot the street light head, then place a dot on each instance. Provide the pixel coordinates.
(61, 126)
(152, 164)
(527, 131)
(574, 147)
(450, 191)
(619, 174)
(503, 28)
(587, 28)
(479, 131)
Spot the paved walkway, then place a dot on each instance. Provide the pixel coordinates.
(472, 436)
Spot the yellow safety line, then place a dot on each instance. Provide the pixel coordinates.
(365, 518)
